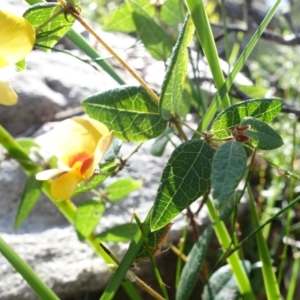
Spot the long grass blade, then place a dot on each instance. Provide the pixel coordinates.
(34, 281)
(205, 35)
(222, 91)
(270, 281)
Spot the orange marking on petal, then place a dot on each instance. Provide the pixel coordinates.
(84, 158)
(86, 165)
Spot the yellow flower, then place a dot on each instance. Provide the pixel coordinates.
(17, 40)
(79, 144)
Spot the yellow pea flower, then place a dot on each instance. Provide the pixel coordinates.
(79, 144)
(17, 40)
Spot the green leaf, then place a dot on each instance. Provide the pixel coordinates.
(172, 12)
(27, 144)
(113, 150)
(171, 103)
(105, 171)
(192, 269)
(226, 210)
(160, 143)
(253, 91)
(222, 284)
(155, 241)
(119, 233)
(263, 109)
(228, 168)
(121, 188)
(129, 111)
(153, 36)
(185, 178)
(20, 65)
(121, 20)
(30, 196)
(87, 217)
(55, 29)
(262, 136)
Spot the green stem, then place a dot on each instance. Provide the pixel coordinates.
(182, 242)
(205, 35)
(40, 288)
(233, 260)
(150, 255)
(83, 45)
(115, 55)
(270, 281)
(222, 91)
(180, 131)
(67, 208)
(287, 227)
(270, 220)
(293, 280)
(135, 245)
(16, 152)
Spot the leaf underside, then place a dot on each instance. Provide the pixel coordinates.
(228, 168)
(192, 268)
(262, 136)
(222, 284)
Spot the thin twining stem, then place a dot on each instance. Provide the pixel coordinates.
(76, 15)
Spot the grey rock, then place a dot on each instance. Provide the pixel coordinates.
(50, 245)
(53, 83)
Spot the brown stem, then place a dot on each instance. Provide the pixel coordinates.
(179, 129)
(76, 15)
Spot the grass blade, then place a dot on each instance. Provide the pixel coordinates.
(205, 35)
(34, 281)
(222, 91)
(270, 281)
(233, 260)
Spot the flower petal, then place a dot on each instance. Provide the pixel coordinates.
(102, 147)
(77, 135)
(7, 95)
(48, 174)
(17, 38)
(64, 186)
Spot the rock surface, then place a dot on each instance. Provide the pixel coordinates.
(50, 245)
(52, 84)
